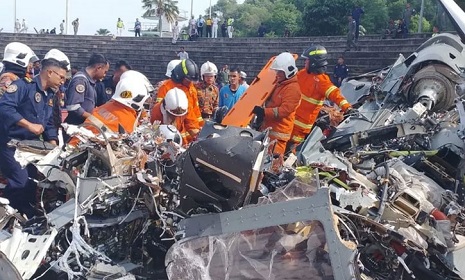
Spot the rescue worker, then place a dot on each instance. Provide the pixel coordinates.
(316, 86)
(17, 59)
(106, 88)
(279, 110)
(58, 98)
(207, 91)
(81, 93)
(174, 110)
(26, 110)
(169, 69)
(122, 112)
(183, 77)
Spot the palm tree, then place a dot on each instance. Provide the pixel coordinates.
(102, 32)
(160, 8)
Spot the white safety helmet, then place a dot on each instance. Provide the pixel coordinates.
(242, 74)
(170, 67)
(175, 102)
(60, 56)
(170, 133)
(208, 68)
(19, 54)
(141, 77)
(131, 92)
(285, 62)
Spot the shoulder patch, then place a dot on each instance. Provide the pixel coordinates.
(80, 88)
(38, 97)
(12, 88)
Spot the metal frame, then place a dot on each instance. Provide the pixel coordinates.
(317, 207)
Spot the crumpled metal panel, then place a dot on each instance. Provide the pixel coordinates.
(290, 234)
(7, 270)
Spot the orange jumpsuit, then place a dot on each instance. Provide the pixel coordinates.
(183, 123)
(5, 80)
(315, 89)
(113, 114)
(280, 111)
(191, 94)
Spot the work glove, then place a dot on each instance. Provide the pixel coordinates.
(260, 115)
(259, 112)
(351, 112)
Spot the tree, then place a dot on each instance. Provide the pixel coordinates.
(284, 16)
(160, 8)
(326, 17)
(102, 32)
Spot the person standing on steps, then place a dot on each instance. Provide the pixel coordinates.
(200, 24)
(216, 21)
(351, 34)
(175, 32)
(119, 27)
(62, 27)
(137, 28)
(230, 27)
(356, 15)
(75, 25)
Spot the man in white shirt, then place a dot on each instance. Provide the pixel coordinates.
(182, 54)
(24, 27)
(200, 24)
(216, 20)
(62, 27)
(17, 26)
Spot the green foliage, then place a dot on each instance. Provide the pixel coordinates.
(102, 32)
(322, 17)
(283, 16)
(426, 26)
(395, 9)
(326, 17)
(375, 17)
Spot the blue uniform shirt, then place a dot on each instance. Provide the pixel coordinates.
(80, 97)
(26, 99)
(341, 71)
(228, 98)
(105, 90)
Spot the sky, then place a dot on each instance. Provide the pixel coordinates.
(92, 14)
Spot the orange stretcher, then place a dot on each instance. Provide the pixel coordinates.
(256, 95)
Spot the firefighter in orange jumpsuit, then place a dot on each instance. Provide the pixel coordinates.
(17, 63)
(122, 112)
(169, 69)
(316, 86)
(173, 110)
(279, 110)
(183, 77)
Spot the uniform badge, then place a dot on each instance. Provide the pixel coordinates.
(80, 88)
(126, 94)
(38, 97)
(50, 102)
(12, 88)
(108, 91)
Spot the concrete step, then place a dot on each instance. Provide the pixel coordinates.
(151, 55)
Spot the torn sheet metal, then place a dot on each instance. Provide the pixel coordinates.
(27, 251)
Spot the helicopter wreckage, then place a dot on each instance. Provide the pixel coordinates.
(379, 196)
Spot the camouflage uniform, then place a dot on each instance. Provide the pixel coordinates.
(208, 98)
